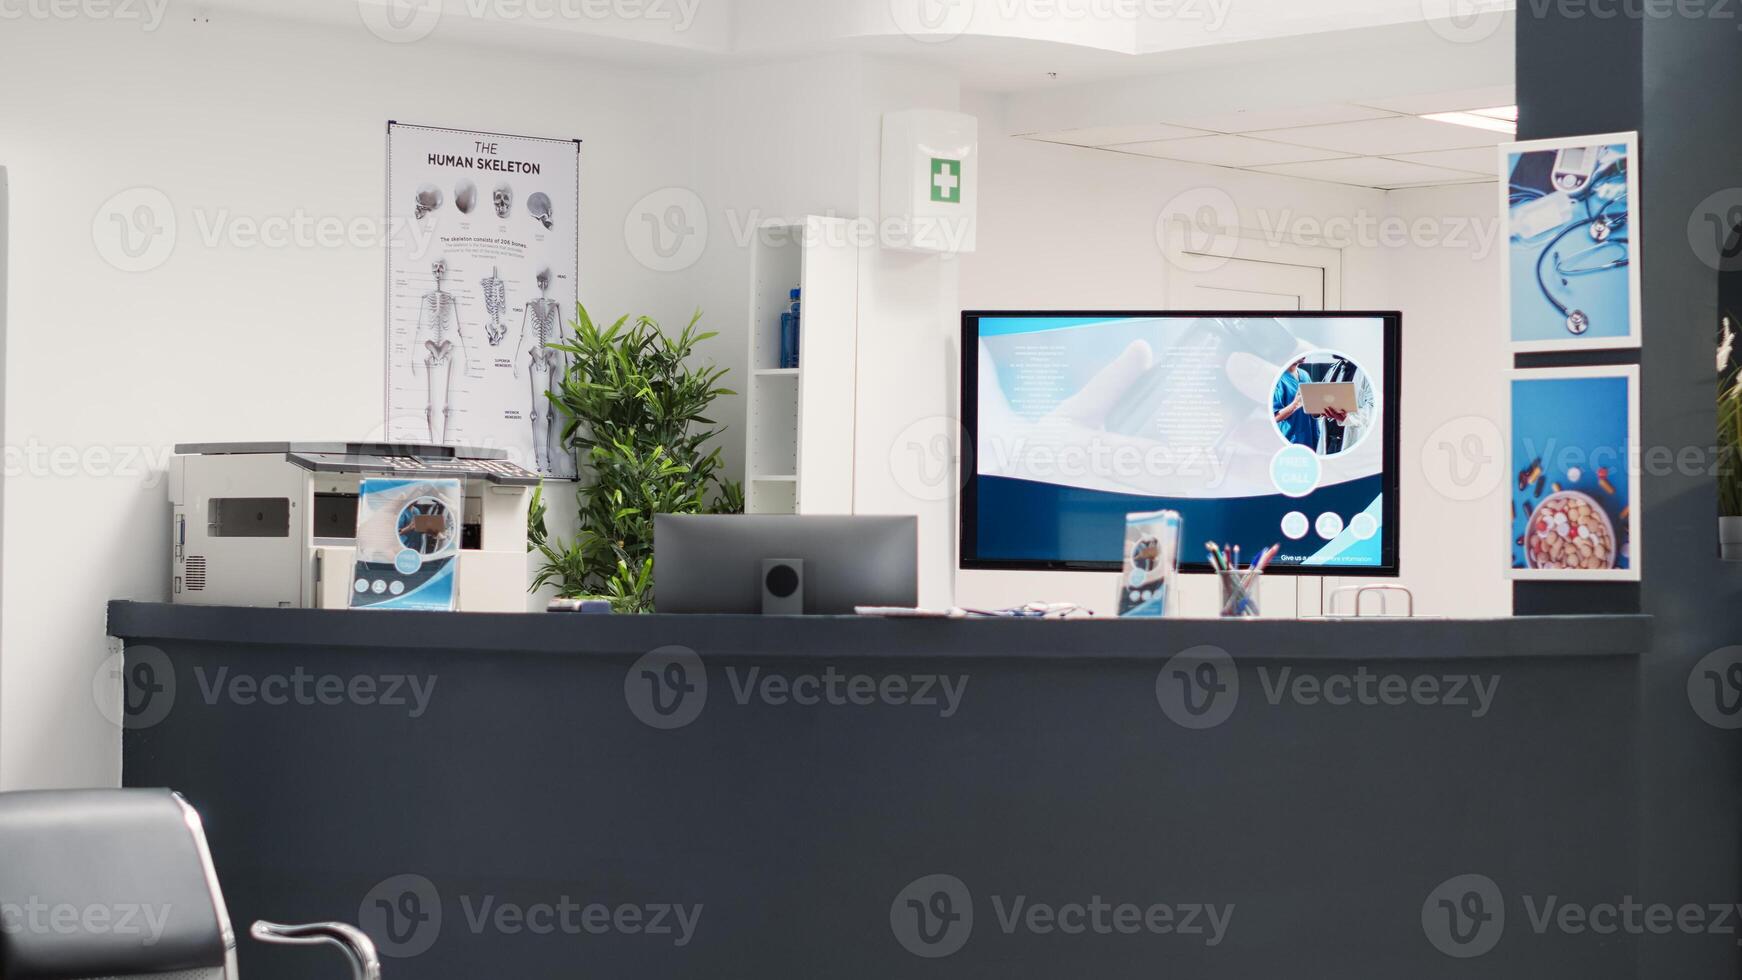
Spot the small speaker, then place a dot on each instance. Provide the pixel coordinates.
(782, 586)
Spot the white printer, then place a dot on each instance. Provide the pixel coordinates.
(274, 523)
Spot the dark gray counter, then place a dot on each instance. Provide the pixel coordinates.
(830, 636)
(457, 781)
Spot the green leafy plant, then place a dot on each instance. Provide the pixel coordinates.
(636, 415)
(1729, 423)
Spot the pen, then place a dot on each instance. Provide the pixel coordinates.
(1237, 598)
(1262, 563)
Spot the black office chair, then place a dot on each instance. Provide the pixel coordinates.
(119, 883)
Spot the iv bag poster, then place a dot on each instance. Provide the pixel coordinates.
(1571, 274)
(1573, 502)
(481, 279)
(408, 544)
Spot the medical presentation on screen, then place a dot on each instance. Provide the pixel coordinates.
(1257, 430)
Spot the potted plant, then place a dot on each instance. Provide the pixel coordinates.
(1729, 444)
(636, 416)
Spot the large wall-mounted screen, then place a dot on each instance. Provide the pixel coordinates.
(1259, 428)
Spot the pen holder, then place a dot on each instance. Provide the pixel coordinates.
(1239, 592)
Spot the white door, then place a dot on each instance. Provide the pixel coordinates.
(1246, 274)
(1245, 284)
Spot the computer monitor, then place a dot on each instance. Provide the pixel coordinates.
(714, 563)
(1259, 428)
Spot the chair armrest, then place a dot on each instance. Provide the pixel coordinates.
(357, 947)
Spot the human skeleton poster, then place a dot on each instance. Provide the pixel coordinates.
(481, 280)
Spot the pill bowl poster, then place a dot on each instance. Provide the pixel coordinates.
(1573, 489)
(1570, 275)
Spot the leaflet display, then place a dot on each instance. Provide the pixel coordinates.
(408, 544)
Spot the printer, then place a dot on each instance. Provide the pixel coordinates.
(275, 523)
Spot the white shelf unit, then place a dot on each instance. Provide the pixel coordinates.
(798, 456)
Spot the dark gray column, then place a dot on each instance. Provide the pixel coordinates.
(1674, 73)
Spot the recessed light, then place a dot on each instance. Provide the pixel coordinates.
(1498, 120)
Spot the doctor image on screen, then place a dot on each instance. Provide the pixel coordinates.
(1292, 420)
(1345, 427)
(1325, 402)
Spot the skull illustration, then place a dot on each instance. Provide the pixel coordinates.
(439, 268)
(503, 198)
(465, 196)
(538, 205)
(543, 280)
(429, 198)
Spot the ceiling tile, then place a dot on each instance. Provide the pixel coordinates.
(1225, 151)
(1398, 134)
(1477, 160)
(1468, 98)
(1257, 119)
(1472, 181)
(1108, 135)
(1369, 172)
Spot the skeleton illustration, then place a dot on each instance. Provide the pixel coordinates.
(438, 316)
(503, 198)
(465, 196)
(495, 302)
(542, 323)
(538, 205)
(429, 198)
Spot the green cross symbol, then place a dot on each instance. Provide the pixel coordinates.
(946, 180)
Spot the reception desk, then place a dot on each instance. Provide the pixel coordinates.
(659, 796)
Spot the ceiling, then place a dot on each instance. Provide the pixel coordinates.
(1318, 89)
(1383, 144)
(990, 45)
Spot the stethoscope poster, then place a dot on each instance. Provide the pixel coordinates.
(481, 283)
(1571, 273)
(1573, 492)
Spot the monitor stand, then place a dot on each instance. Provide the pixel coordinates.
(782, 586)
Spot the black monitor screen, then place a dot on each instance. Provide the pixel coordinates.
(1258, 428)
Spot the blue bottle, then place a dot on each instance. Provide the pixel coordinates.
(789, 333)
(788, 339)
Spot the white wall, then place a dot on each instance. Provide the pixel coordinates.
(908, 316)
(238, 121)
(1067, 227)
(1454, 358)
(222, 342)
(771, 142)
(792, 138)
(259, 120)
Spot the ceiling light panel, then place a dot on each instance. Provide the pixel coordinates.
(1225, 151)
(1109, 135)
(1252, 121)
(1369, 172)
(1398, 134)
